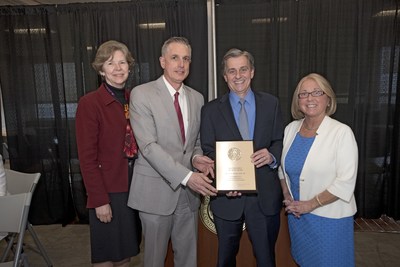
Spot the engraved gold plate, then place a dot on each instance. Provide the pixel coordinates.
(234, 169)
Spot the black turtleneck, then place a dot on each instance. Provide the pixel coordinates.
(119, 93)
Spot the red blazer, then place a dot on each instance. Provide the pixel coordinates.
(100, 133)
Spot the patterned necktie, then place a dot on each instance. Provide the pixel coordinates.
(180, 118)
(243, 123)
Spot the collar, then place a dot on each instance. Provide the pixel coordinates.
(324, 124)
(234, 98)
(172, 90)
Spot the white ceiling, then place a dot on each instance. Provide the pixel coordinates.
(50, 2)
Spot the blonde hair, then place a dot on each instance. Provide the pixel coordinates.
(323, 85)
(107, 49)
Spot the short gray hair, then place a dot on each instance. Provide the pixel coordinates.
(235, 52)
(175, 39)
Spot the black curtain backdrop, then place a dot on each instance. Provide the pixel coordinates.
(46, 51)
(355, 44)
(45, 56)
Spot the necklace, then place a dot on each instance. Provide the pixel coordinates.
(308, 128)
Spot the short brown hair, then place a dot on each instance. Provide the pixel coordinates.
(107, 49)
(324, 86)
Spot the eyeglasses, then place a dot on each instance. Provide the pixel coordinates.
(315, 93)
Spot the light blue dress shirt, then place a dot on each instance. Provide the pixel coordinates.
(250, 105)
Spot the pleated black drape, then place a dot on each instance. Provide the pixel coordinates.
(45, 56)
(393, 177)
(355, 44)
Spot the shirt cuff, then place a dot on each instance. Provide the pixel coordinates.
(273, 164)
(184, 182)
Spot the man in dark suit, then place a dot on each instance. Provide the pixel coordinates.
(220, 122)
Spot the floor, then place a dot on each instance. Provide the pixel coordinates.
(69, 246)
(384, 224)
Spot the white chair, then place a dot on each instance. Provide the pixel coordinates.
(17, 183)
(20, 182)
(13, 222)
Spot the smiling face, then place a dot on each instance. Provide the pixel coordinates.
(175, 63)
(312, 106)
(238, 75)
(115, 70)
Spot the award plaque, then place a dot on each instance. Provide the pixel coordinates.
(234, 169)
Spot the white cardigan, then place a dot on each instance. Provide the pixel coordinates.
(331, 165)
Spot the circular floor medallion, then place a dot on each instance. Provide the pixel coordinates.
(206, 215)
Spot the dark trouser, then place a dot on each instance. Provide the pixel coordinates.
(263, 232)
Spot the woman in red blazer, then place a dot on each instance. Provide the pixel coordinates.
(105, 147)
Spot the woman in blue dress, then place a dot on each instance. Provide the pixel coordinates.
(318, 177)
